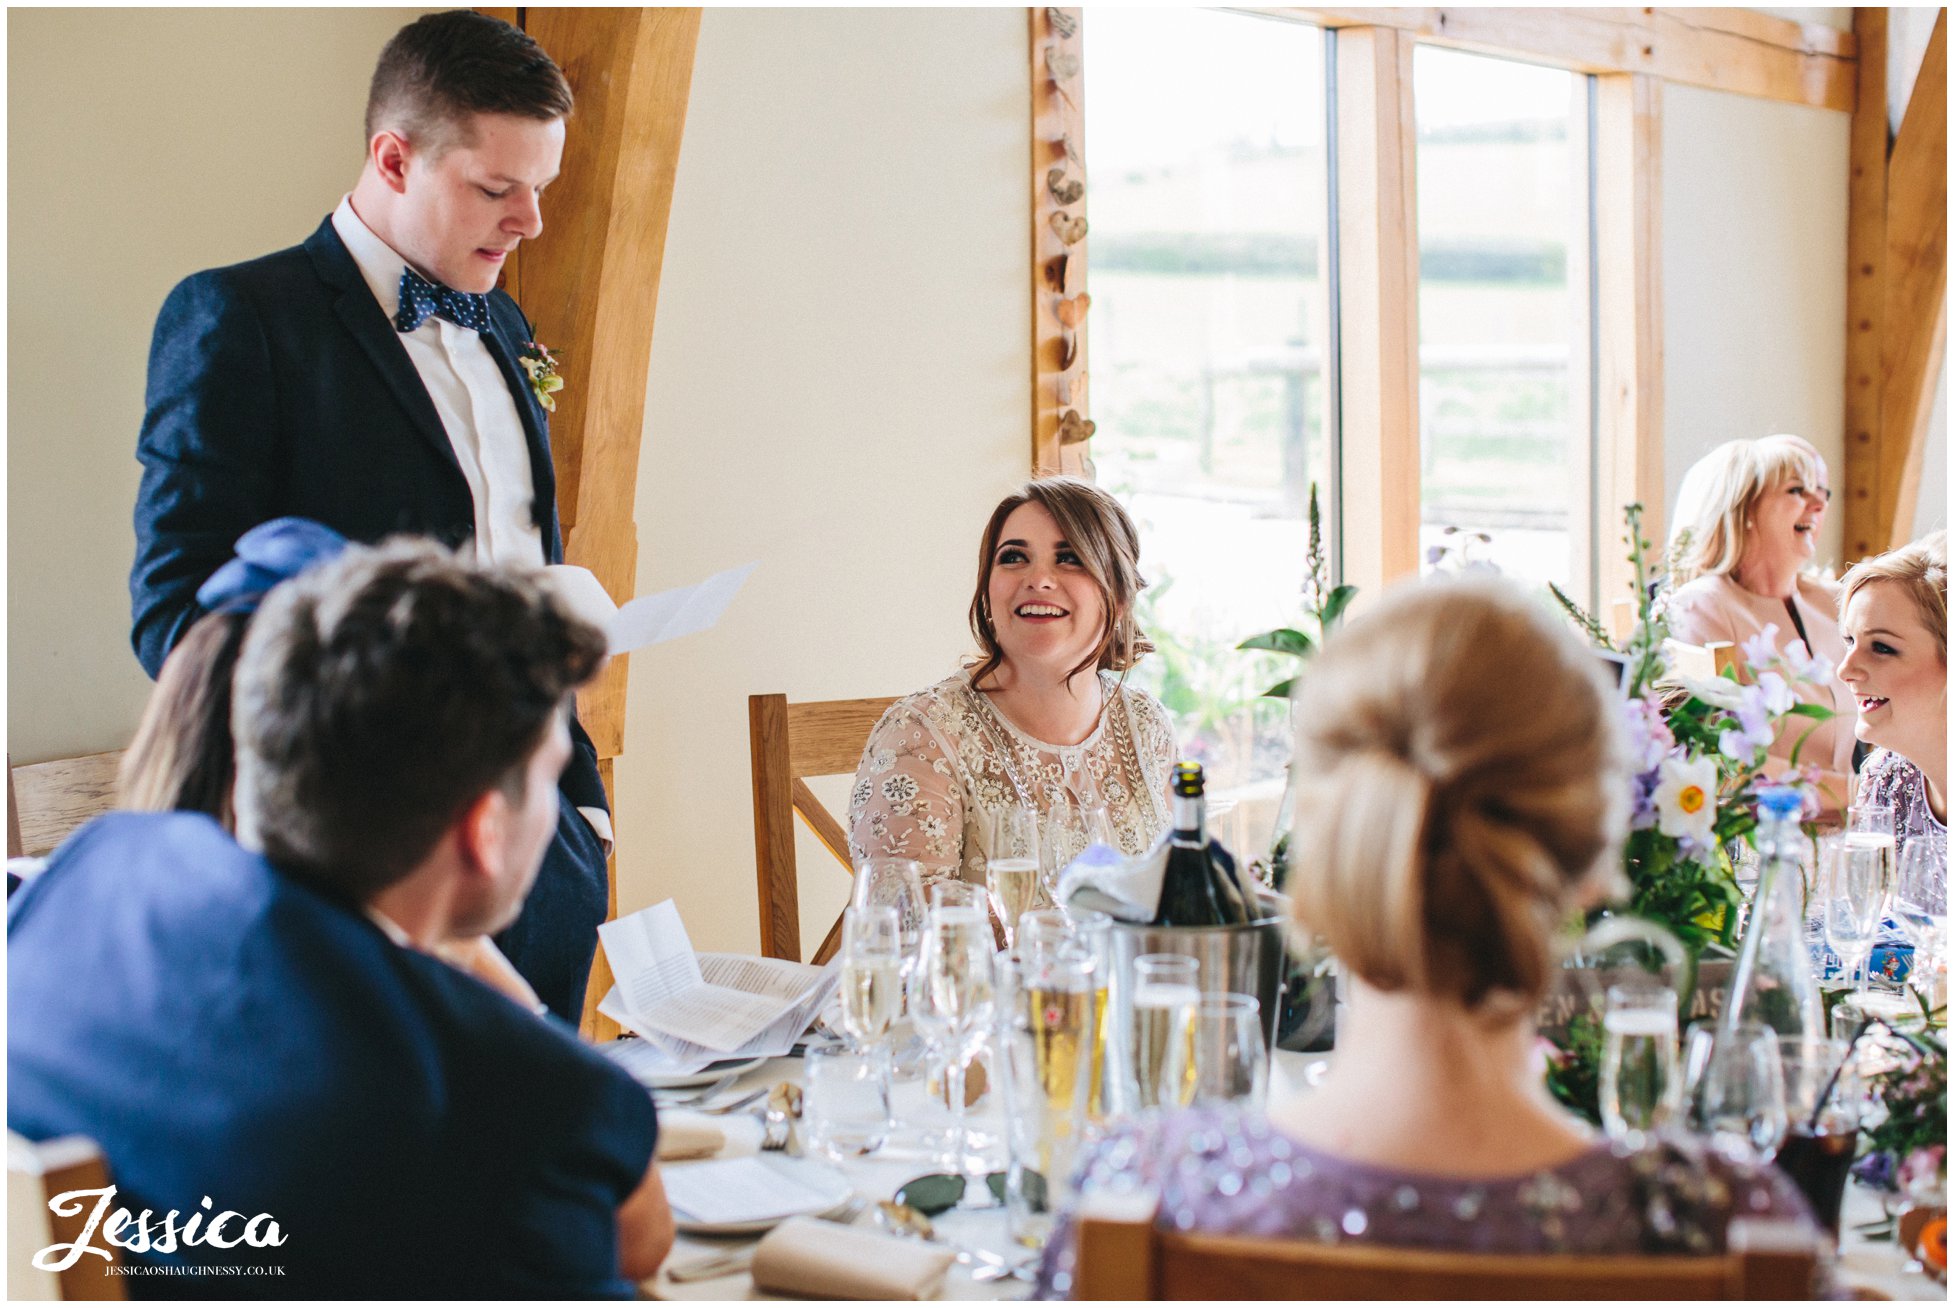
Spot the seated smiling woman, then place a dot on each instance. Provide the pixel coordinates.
(1044, 716)
(1461, 793)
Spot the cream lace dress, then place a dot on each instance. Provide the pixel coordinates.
(941, 761)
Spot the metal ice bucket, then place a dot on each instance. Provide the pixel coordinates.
(1240, 959)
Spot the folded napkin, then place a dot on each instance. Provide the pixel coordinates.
(823, 1260)
(680, 1140)
(1104, 879)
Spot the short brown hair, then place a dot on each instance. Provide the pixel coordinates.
(381, 694)
(442, 69)
(1459, 776)
(182, 757)
(1103, 536)
(1919, 569)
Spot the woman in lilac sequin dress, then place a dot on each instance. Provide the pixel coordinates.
(1893, 613)
(1462, 793)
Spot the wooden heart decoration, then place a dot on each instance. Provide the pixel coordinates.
(1062, 64)
(1072, 312)
(1063, 191)
(1063, 21)
(1068, 352)
(1070, 230)
(1072, 429)
(1055, 272)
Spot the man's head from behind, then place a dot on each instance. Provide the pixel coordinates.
(464, 129)
(398, 704)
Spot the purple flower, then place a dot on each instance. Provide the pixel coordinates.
(1753, 722)
(1649, 737)
(1761, 650)
(1875, 1170)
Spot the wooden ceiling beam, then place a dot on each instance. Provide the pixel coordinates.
(1735, 50)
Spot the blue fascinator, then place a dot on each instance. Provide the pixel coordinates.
(269, 553)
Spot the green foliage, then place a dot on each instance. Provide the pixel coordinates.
(1574, 1068)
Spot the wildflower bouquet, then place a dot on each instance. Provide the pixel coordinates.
(1907, 1152)
(1699, 749)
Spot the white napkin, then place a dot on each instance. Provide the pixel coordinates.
(1125, 888)
(680, 1140)
(823, 1260)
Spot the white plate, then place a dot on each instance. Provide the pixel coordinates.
(705, 1076)
(831, 1193)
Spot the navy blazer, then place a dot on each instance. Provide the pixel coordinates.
(278, 386)
(225, 1031)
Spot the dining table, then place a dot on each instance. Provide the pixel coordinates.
(1865, 1268)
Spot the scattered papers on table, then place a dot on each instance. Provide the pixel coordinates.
(734, 1190)
(695, 1008)
(649, 619)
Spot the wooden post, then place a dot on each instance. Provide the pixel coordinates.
(1628, 380)
(590, 288)
(1865, 296)
(1061, 420)
(1377, 222)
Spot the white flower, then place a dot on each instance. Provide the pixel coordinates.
(1686, 799)
(899, 789)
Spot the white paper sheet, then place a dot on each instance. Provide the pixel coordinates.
(721, 1004)
(649, 619)
(740, 1190)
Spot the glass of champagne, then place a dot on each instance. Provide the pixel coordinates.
(959, 1002)
(1853, 892)
(897, 883)
(1215, 1054)
(1011, 867)
(1163, 985)
(871, 975)
(1639, 1085)
(1058, 984)
(1920, 903)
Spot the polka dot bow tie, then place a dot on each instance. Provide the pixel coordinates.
(421, 299)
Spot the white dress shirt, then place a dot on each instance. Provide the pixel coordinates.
(471, 396)
(477, 411)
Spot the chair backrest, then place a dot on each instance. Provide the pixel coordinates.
(1123, 1255)
(51, 799)
(37, 1173)
(792, 742)
(1701, 662)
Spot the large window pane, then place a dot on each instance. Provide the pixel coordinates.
(1502, 230)
(1206, 167)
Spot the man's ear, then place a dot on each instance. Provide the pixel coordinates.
(389, 153)
(482, 832)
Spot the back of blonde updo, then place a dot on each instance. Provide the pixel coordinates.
(1459, 775)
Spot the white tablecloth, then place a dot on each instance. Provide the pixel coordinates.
(1873, 1266)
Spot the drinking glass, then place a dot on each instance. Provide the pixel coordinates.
(846, 1104)
(1011, 869)
(1066, 831)
(1869, 819)
(895, 883)
(1216, 1054)
(1858, 876)
(1920, 903)
(1043, 1130)
(1163, 985)
(870, 987)
(1057, 1008)
(1823, 1134)
(1736, 1093)
(958, 1003)
(949, 892)
(1639, 1082)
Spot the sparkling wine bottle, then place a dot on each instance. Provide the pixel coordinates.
(1199, 887)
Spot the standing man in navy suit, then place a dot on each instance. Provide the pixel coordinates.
(373, 379)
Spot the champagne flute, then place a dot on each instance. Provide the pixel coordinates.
(1216, 1054)
(959, 1001)
(897, 883)
(1011, 867)
(1163, 985)
(1855, 888)
(1639, 1085)
(871, 975)
(1920, 903)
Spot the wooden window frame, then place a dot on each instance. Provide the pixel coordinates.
(1631, 53)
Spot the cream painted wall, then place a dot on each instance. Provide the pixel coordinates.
(142, 146)
(839, 389)
(1753, 278)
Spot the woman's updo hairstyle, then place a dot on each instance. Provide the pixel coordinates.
(1459, 775)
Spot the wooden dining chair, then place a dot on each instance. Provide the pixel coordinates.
(47, 801)
(1123, 1255)
(792, 742)
(37, 1173)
